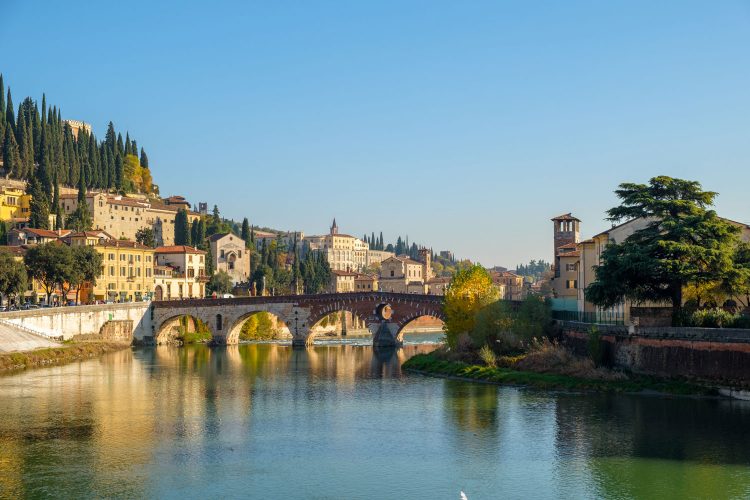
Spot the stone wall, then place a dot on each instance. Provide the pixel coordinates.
(651, 316)
(84, 321)
(721, 355)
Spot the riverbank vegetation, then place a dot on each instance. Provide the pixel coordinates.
(259, 326)
(193, 331)
(514, 343)
(57, 355)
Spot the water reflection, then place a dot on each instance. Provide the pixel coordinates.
(335, 420)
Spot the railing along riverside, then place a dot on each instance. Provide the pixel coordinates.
(599, 318)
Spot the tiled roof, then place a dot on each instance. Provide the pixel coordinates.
(179, 249)
(569, 254)
(46, 233)
(124, 244)
(567, 216)
(343, 273)
(568, 245)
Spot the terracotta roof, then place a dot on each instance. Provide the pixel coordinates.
(343, 273)
(91, 234)
(568, 216)
(366, 277)
(568, 245)
(112, 200)
(569, 254)
(46, 233)
(124, 244)
(15, 250)
(179, 249)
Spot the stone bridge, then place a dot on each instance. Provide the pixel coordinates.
(385, 314)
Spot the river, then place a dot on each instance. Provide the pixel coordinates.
(342, 421)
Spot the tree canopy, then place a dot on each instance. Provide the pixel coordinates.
(683, 243)
(471, 289)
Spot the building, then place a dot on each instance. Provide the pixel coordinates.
(32, 236)
(122, 216)
(438, 286)
(127, 273)
(566, 236)
(344, 252)
(179, 272)
(230, 255)
(365, 283)
(77, 125)
(510, 285)
(90, 238)
(14, 204)
(342, 281)
(179, 202)
(402, 275)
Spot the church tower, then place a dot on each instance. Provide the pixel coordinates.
(425, 256)
(567, 231)
(334, 227)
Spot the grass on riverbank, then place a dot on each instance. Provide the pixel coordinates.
(57, 355)
(433, 364)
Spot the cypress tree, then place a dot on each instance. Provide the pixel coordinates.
(246, 232)
(119, 172)
(25, 149)
(10, 120)
(144, 159)
(181, 228)
(11, 158)
(120, 145)
(57, 207)
(127, 143)
(39, 209)
(44, 172)
(2, 114)
(209, 261)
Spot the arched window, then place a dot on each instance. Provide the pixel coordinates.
(218, 322)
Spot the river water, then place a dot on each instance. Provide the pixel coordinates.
(343, 421)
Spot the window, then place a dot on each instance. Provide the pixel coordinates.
(122, 271)
(148, 272)
(571, 284)
(111, 256)
(122, 257)
(391, 272)
(571, 267)
(218, 322)
(222, 254)
(111, 270)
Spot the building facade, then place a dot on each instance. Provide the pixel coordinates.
(230, 255)
(344, 252)
(179, 273)
(127, 272)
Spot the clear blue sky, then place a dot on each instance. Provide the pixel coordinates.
(465, 125)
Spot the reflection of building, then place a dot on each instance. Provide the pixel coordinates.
(230, 255)
(179, 272)
(344, 252)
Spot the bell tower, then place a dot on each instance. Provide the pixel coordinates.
(567, 230)
(334, 227)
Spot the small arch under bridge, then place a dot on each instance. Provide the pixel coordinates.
(385, 314)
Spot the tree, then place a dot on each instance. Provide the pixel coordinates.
(80, 219)
(198, 232)
(245, 234)
(209, 261)
(59, 219)
(11, 157)
(39, 207)
(220, 283)
(87, 267)
(181, 228)
(683, 243)
(144, 159)
(12, 276)
(145, 236)
(50, 264)
(470, 290)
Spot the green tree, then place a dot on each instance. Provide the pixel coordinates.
(50, 264)
(87, 267)
(220, 283)
(209, 261)
(683, 243)
(39, 206)
(181, 228)
(13, 276)
(11, 157)
(198, 233)
(245, 234)
(470, 291)
(145, 236)
(80, 219)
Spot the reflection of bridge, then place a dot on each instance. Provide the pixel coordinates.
(385, 314)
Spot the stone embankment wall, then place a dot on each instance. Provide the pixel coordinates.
(105, 321)
(716, 354)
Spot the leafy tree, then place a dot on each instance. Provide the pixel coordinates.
(50, 264)
(145, 236)
(220, 283)
(470, 290)
(87, 267)
(683, 243)
(181, 228)
(13, 276)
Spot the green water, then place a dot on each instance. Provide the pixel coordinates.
(343, 421)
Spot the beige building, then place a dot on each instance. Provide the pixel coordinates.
(566, 235)
(31, 236)
(404, 275)
(438, 286)
(230, 255)
(342, 281)
(127, 272)
(344, 252)
(365, 283)
(586, 258)
(510, 285)
(179, 273)
(123, 216)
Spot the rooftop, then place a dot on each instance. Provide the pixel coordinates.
(178, 249)
(568, 216)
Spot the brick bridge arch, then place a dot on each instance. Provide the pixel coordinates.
(300, 313)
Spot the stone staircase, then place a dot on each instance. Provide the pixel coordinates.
(16, 338)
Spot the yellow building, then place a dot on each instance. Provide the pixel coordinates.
(341, 281)
(14, 204)
(127, 272)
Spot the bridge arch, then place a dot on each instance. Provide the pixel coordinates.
(174, 328)
(234, 329)
(410, 320)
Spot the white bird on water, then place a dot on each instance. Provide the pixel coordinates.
(463, 496)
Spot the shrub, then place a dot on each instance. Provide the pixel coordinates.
(713, 318)
(488, 356)
(492, 327)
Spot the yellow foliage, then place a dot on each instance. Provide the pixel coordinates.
(471, 289)
(139, 177)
